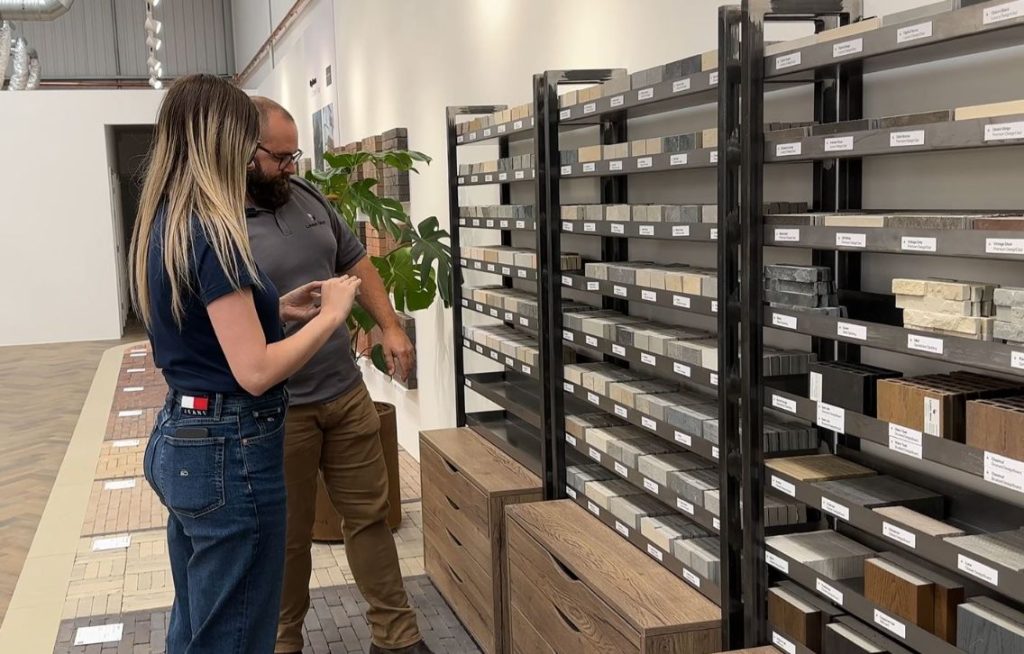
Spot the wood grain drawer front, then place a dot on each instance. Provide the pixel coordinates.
(566, 613)
(469, 594)
(439, 507)
(450, 547)
(525, 639)
(440, 473)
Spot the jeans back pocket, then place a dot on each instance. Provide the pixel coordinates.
(190, 474)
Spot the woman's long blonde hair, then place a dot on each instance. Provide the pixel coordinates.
(206, 135)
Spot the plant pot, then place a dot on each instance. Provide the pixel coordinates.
(327, 524)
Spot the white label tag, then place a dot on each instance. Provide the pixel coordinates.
(620, 291)
(714, 233)
(645, 94)
(777, 562)
(787, 322)
(111, 543)
(593, 286)
(618, 228)
(520, 224)
(783, 486)
(488, 178)
(1004, 131)
(714, 159)
(621, 411)
(714, 379)
(839, 144)
(589, 167)
(132, 389)
(472, 136)
(568, 387)
(815, 386)
(593, 508)
(502, 177)
(681, 369)
(510, 317)
(566, 170)
(589, 108)
(846, 240)
(714, 452)
(782, 643)
(649, 296)
(570, 439)
(594, 398)
(1004, 246)
(566, 280)
(847, 48)
(644, 162)
(502, 128)
(1005, 472)
(494, 313)
(914, 32)
(788, 149)
(680, 230)
(646, 230)
(462, 180)
(681, 85)
(684, 506)
(685, 439)
(678, 159)
(829, 591)
(494, 355)
(924, 343)
(890, 624)
(650, 485)
(932, 416)
(505, 270)
(783, 403)
(509, 361)
(655, 552)
(906, 139)
(648, 423)
(615, 165)
(520, 174)
(692, 578)
(590, 227)
(617, 101)
(1017, 360)
(622, 529)
(649, 359)
(716, 523)
(899, 534)
(521, 273)
(594, 454)
(1000, 13)
(568, 335)
(618, 350)
(977, 569)
(713, 78)
(106, 633)
(681, 301)
(836, 509)
(491, 267)
(831, 417)
(787, 235)
(590, 340)
(527, 370)
(459, 139)
(564, 114)
(787, 61)
(621, 469)
(849, 330)
(918, 244)
(571, 492)
(127, 442)
(524, 321)
(517, 125)
(130, 413)
(474, 178)
(131, 370)
(119, 484)
(905, 440)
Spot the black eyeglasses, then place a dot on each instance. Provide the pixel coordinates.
(282, 159)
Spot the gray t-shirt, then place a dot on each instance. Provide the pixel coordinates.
(305, 241)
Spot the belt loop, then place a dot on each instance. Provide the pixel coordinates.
(218, 405)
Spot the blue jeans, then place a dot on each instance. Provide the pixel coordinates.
(220, 473)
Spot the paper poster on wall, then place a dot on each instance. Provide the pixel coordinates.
(323, 134)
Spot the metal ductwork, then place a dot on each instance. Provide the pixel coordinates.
(34, 9)
(19, 65)
(34, 70)
(6, 37)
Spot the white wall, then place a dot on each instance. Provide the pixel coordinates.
(58, 279)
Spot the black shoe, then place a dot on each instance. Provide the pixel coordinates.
(418, 648)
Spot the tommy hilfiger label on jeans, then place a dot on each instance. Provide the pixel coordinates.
(195, 405)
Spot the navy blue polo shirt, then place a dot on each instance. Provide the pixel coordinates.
(191, 357)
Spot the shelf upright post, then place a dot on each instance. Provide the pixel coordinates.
(505, 197)
(614, 129)
(730, 302)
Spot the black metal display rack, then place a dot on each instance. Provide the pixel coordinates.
(983, 491)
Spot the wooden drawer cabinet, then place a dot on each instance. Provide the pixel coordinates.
(467, 483)
(575, 586)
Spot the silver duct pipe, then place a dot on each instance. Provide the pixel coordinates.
(33, 70)
(19, 65)
(6, 34)
(34, 9)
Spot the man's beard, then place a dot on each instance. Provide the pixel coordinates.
(268, 192)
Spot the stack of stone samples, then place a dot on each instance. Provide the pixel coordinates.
(852, 386)
(781, 433)
(518, 257)
(499, 211)
(700, 555)
(801, 288)
(883, 490)
(949, 307)
(1009, 322)
(576, 477)
(521, 347)
(515, 300)
(827, 552)
(601, 492)
(919, 521)
(674, 70)
(642, 213)
(630, 509)
(504, 116)
(778, 512)
(507, 164)
(1005, 547)
(664, 530)
(676, 278)
(932, 220)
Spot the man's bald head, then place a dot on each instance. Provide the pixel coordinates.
(268, 108)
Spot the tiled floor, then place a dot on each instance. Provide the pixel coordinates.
(120, 572)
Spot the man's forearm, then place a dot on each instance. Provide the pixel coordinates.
(372, 295)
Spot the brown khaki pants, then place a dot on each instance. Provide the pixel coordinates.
(341, 438)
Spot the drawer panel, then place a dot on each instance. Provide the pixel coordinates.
(437, 471)
(469, 594)
(566, 613)
(452, 549)
(525, 639)
(439, 507)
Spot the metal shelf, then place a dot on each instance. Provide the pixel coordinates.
(510, 435)
(491, 311)
(500, 388)
(944, 35)
(529, 274)
(507, 361)
(679, 301)
(691, 232)
(984, 571)
(514, 130)
(698, 514)
(689, 91)
(786, 643)
(652, 163)
(692, 443)
(986, 244)
(660, 365)
(998, 357)
(999, 131)
(992, 468)
(854, 602)
(505, 177)
(702, 584)
(498, 223)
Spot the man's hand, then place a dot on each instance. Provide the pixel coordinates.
(301, 304)
(398, 349)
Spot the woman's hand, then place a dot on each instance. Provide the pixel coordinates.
(300, 305)
(337, 297)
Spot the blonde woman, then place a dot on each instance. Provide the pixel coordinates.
(214, 321)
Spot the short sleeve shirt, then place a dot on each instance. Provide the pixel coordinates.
(190, 356)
